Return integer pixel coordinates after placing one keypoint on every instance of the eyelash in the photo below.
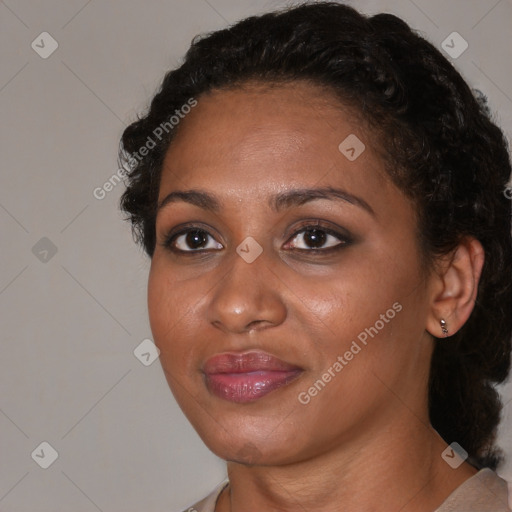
(345, 239)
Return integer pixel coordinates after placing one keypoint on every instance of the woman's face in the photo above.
(291, 319)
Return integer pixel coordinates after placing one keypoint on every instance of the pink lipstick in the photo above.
(246, 377)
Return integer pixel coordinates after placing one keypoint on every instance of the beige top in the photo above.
(483, 492)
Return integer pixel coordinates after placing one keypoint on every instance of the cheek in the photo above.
(170, 311)
(351, 298)
(159, 308)
(375, 302)
(168, 306)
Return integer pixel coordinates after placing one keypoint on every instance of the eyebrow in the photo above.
(277, 202)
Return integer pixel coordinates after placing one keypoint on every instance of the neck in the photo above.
(398, 467)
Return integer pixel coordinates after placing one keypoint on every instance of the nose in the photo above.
(247, 298)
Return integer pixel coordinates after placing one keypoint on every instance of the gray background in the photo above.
(71, 320)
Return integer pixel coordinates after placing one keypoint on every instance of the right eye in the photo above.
(191, 240)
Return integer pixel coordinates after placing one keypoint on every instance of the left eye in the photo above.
(315, 238)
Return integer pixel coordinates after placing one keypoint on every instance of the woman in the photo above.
(322, 198)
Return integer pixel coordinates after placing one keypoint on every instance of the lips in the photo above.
(246, 377)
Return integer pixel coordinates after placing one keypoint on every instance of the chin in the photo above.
(250, 454)
(251, 446)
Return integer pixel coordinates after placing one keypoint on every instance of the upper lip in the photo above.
(231, 362)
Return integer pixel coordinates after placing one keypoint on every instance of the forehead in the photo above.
(281, 132)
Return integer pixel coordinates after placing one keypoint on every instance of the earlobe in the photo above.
(455, 289)
(444, 327)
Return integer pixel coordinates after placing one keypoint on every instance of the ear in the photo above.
(455, 286)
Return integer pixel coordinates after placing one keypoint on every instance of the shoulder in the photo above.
(483, 492)
(208, 504)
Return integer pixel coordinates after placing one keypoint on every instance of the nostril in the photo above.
(255, 324)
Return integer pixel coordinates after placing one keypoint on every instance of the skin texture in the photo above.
(364, 442)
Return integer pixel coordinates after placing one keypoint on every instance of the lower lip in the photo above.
(250, 386)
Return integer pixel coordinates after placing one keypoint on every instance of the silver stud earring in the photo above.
(443, 327)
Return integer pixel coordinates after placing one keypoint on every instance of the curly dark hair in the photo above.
(441, 148)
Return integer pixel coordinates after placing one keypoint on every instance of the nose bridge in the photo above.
(247, 296)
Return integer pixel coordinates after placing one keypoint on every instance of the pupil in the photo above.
(196, 238)
(315, 237)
